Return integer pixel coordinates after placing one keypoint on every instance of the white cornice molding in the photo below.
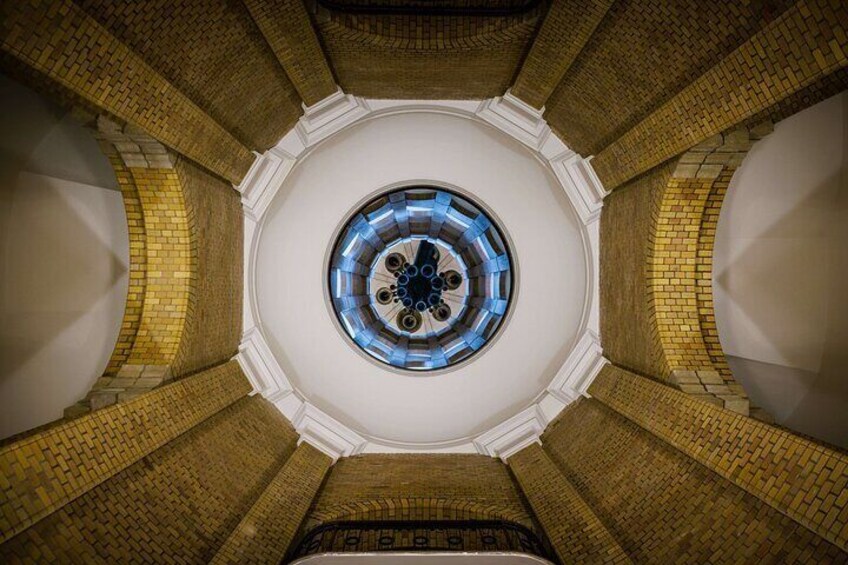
(330, 115)
(514, 118)
(513, 435)
(580, 182)
(262, 180)
(261, 368)
(527, 125)
(525, 428)
(579, 370)
(269, 171)
(326, 434)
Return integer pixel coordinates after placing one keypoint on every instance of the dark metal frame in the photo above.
(374, 536)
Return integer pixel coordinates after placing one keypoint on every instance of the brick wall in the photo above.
(212, 52)
(566, 28)
(657, 238)
(289, 32)
(797, 49)
(575, 532)
(663, 507)
(45, 471)
(628, 326)
(169, 266)
(269, 527)
(138, 262)
(792, 475)
(641, 54)
(184, 302)
(178, 504)
(420, 57)
(59, 43)
(214, 314)
(419, 487)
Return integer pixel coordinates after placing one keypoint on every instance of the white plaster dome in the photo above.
(291, 250)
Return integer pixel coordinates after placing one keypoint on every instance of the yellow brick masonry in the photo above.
(577, 535)
(392, 487)
(672, 273)
(287, 29)
(59, 41)
(176, 505)
(806, 43)
(138, 262)
(663, 506)
(426, 57)
(47, 470)
(169, 266)
(269, 527)
(800, 478)
(567, 27)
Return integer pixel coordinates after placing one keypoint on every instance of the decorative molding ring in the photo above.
(512, 117)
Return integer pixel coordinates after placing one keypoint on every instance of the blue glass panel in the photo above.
(461, 237)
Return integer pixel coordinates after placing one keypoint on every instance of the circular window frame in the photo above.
(515, 285)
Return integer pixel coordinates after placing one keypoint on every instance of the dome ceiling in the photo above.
(317, 260)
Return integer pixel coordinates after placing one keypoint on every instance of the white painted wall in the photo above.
(63, 260)
(781, 272)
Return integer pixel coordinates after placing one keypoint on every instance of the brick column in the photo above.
(577, 535)
(565, 31)
(802, 46)
(268, 529)
(60, 42)
(795, 476)
(45, 471)
(288, 30)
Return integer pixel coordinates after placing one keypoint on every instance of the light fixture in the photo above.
(420, 278)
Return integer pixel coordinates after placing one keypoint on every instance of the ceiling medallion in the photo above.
(420, 278)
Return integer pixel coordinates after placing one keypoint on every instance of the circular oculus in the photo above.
(420, 278)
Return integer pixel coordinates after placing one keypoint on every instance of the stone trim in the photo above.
(326, 434)
(135, 147)
(513, 435)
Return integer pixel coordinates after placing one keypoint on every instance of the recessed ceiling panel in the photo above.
(375, 189)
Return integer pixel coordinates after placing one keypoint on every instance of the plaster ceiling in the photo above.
(420, 148)
(343, 152)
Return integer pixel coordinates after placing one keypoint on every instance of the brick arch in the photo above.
(416, 508)
(161, 335)
(413, 56)
(443, 33)
(685, 214)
